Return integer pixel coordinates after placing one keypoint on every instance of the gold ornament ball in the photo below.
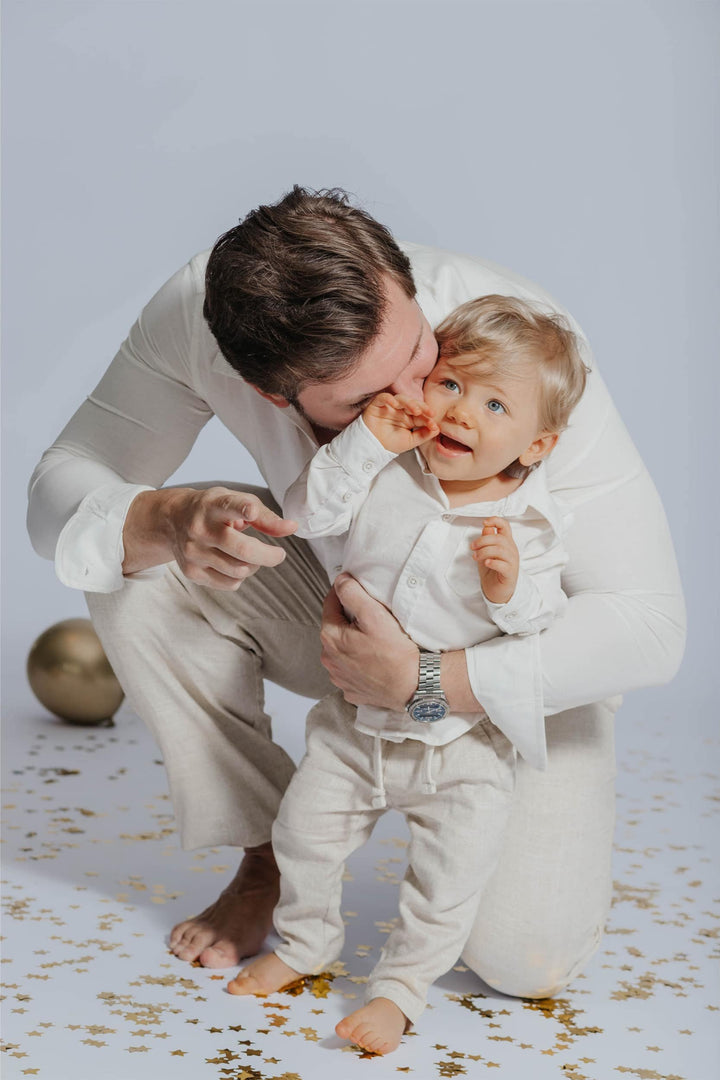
(70, 674)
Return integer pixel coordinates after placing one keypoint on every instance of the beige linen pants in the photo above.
(192, 661)
(456, 835)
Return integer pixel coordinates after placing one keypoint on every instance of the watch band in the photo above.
(429, 677)
(428, 704)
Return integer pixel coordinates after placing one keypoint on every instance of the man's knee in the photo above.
(530, 969)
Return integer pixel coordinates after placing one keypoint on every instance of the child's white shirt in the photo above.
(411, 551)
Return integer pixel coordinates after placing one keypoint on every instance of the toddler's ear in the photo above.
(539, 449)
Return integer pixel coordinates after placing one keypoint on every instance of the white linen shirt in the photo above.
(624, 626)
(410, 549)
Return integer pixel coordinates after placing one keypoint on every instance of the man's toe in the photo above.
(222, 954)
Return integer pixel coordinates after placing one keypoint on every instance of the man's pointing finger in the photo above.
(240, 510)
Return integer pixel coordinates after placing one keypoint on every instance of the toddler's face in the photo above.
(486, 421)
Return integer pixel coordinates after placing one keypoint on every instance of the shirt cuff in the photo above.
(360, 454)
(89, 553)
(512, 617)
(506, 678)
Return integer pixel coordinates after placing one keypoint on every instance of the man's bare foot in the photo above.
(378, 1026)
(264, 976)
(240, 919)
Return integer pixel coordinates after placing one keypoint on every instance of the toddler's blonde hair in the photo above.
(503, 334)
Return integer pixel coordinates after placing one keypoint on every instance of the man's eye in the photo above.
(495, 406)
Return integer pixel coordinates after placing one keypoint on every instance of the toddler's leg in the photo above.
(455, 841)
(324, 816)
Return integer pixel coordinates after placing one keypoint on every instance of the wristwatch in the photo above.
(428, 704)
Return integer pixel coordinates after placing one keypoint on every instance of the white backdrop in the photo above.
(575, 142)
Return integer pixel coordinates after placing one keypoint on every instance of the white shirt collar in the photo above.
(533, 492)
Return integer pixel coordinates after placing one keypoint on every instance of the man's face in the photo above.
(398, 360)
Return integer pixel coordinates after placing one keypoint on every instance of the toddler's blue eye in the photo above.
(450, 384)
(495, 406)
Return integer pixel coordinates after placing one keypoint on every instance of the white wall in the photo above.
(576, 142)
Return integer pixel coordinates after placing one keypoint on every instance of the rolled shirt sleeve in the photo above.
(529, 610)
(89, 553)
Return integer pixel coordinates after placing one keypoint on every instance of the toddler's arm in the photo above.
(522, 596)
(336, 481)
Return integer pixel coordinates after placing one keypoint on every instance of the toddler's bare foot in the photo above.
(264, 976)
(378, 1026)
(240, 919)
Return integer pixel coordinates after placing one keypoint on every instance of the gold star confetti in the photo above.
(450, 1068)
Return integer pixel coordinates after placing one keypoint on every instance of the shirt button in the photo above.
(347, 497)
(412, 582)
(368, 466)
(448, 517)
(512, 615)
(337, 569)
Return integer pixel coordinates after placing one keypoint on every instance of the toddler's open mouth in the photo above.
(451, 447)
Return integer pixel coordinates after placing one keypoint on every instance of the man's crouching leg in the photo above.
(542, 915)
(192, 661)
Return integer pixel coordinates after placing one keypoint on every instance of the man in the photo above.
(301, 314)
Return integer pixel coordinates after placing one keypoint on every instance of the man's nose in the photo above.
(408, 384)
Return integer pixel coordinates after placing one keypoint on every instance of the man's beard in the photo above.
(314, 424)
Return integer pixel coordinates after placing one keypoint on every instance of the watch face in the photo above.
(429, 709)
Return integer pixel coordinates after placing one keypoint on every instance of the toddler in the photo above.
(449, 523)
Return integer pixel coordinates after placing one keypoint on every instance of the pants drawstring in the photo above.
(378, 793)
(429, 787)
(379, 800)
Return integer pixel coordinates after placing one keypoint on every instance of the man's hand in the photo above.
(400, 423)
(204, 531)
(367, 654)
(498, 560)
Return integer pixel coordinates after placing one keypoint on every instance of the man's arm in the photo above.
(372, 660)
(93, 504)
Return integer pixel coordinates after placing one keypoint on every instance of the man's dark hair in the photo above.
(295, 292)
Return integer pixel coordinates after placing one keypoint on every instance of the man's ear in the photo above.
(276, 399)
(538, 449)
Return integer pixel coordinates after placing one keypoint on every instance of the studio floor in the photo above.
(93, 880)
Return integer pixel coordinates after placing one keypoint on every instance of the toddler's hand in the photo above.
(400, 423)
(498, 560)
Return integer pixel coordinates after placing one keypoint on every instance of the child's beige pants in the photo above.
(456, 799)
